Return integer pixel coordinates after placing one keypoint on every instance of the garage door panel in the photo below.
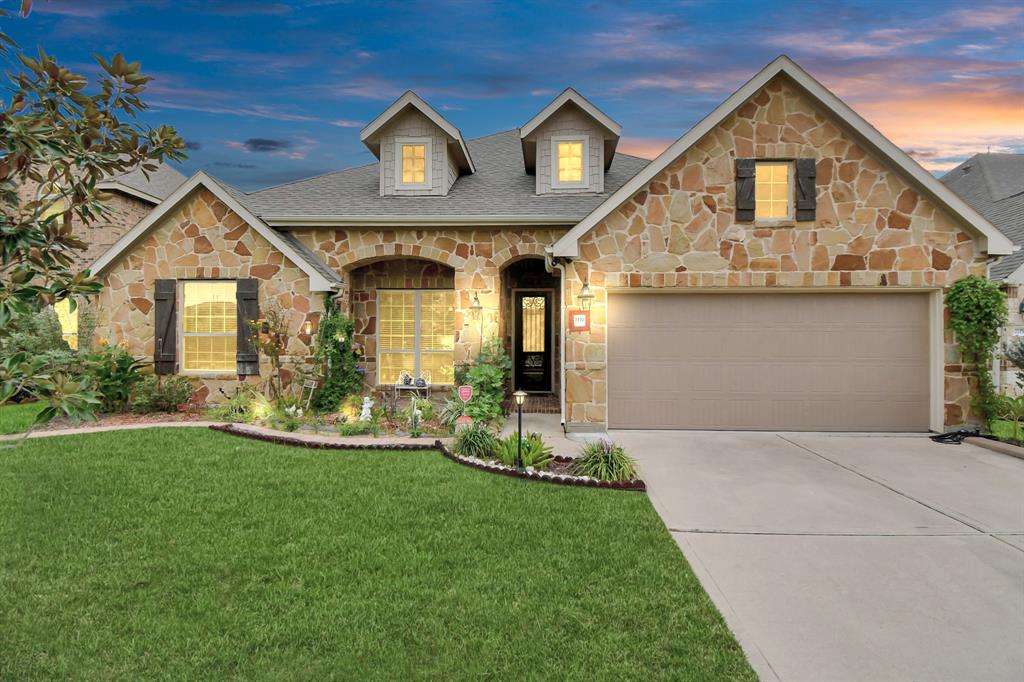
(769, 361)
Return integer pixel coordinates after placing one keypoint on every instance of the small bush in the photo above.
(246, 406)
(288, 418)
(114, 374)
(358, 428)
(475, 440)
(450, 413)
(605, 461)
(161, 394)
(536, 453)
(488, 377)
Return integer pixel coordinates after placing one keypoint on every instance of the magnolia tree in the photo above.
(60, 134)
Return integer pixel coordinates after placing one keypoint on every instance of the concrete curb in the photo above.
(997, 446)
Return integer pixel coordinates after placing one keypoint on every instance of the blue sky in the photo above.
(266, 92)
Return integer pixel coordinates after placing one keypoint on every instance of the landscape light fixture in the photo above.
(520, 398)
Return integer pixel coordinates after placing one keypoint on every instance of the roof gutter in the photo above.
(286, 221)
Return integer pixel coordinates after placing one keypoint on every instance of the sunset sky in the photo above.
(266, 92)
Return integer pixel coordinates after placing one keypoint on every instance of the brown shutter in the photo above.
(248, 306)
(744, 190)
(806, 199)
(165, 327)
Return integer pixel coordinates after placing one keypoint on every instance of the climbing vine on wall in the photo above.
(977, 310)
(336, 358)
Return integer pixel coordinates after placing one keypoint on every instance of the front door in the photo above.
(533, 341)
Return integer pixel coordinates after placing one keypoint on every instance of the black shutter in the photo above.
(165, 327)
(247, 300)
(744, 190)
(806, 199)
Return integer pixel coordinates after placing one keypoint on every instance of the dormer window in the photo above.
(568, 157)
(412, 167)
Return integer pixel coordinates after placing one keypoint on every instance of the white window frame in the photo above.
(790, 188)
(416, 352)
(179, 322)
(585, 141)
(428, 162)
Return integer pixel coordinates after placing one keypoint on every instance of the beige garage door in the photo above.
(800, 361)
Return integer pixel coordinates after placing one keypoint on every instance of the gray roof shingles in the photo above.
(993, 185)
(499, 187)
(160, 183)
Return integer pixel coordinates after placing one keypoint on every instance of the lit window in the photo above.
(68, 321)
(416, 334)
(771, 191)
(55, 208)
(413, 162)
(569, 159)
(209, 327)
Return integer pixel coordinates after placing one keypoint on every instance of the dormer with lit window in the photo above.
(569, 145)
(421, 153)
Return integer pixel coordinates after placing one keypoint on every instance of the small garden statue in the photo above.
(365, 415)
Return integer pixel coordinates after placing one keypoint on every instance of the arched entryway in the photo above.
(405, 319)
(530, 305)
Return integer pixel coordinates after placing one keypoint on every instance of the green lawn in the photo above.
(187, 554)
(17, 417)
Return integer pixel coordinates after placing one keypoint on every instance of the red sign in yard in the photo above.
(465, 393)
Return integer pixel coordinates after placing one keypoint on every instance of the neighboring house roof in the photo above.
(993, 184)
(369, 135)
(321, 278)
(500, 192)
(154, 189)
(993, 241)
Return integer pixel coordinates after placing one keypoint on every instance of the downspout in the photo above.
(550, 263)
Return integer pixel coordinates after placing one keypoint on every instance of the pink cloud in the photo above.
(341, 123)
(644, 147)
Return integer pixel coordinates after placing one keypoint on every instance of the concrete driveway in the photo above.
(850, 557)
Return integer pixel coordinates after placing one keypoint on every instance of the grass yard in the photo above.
(1003, 429)
(17, 417)
(187, 554)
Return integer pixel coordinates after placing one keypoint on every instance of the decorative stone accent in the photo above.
(871, 230)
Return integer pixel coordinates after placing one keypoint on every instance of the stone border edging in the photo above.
(996, 446)
(280, 439)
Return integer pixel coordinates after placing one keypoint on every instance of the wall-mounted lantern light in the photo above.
(586, 296)
(307, 327)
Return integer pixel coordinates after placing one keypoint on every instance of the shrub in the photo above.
(606, 461)
(450, 413)
(475, 440)
(288, 418)
(536, 453)
(487, 377)
(114, 374)
(246, 406)
(34, 334)
(161, 394)
(358, 428)
(334, 356)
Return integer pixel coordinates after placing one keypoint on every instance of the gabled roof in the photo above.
(321, 278)
(992, 240)
(370, 134)
(993, 184)
(154, 189)
(500, 193)
(569, 97)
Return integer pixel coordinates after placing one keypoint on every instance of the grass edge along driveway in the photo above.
(201, 555)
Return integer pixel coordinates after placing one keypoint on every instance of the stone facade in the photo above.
(202, 239)
(871, 230)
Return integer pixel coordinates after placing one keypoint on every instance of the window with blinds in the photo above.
(209, 326)
(416, 334)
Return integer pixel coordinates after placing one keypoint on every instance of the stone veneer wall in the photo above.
(476, 256)
(871, 230)
(389, 274)
(202, 239)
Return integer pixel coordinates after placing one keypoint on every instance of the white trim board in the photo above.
(992, 240)
(317, 282)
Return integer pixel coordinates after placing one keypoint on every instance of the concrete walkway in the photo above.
(850, 557)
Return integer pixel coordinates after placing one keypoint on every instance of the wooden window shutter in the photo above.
(806, 199)
(165, 328)
(745, 190)
(248, 308)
